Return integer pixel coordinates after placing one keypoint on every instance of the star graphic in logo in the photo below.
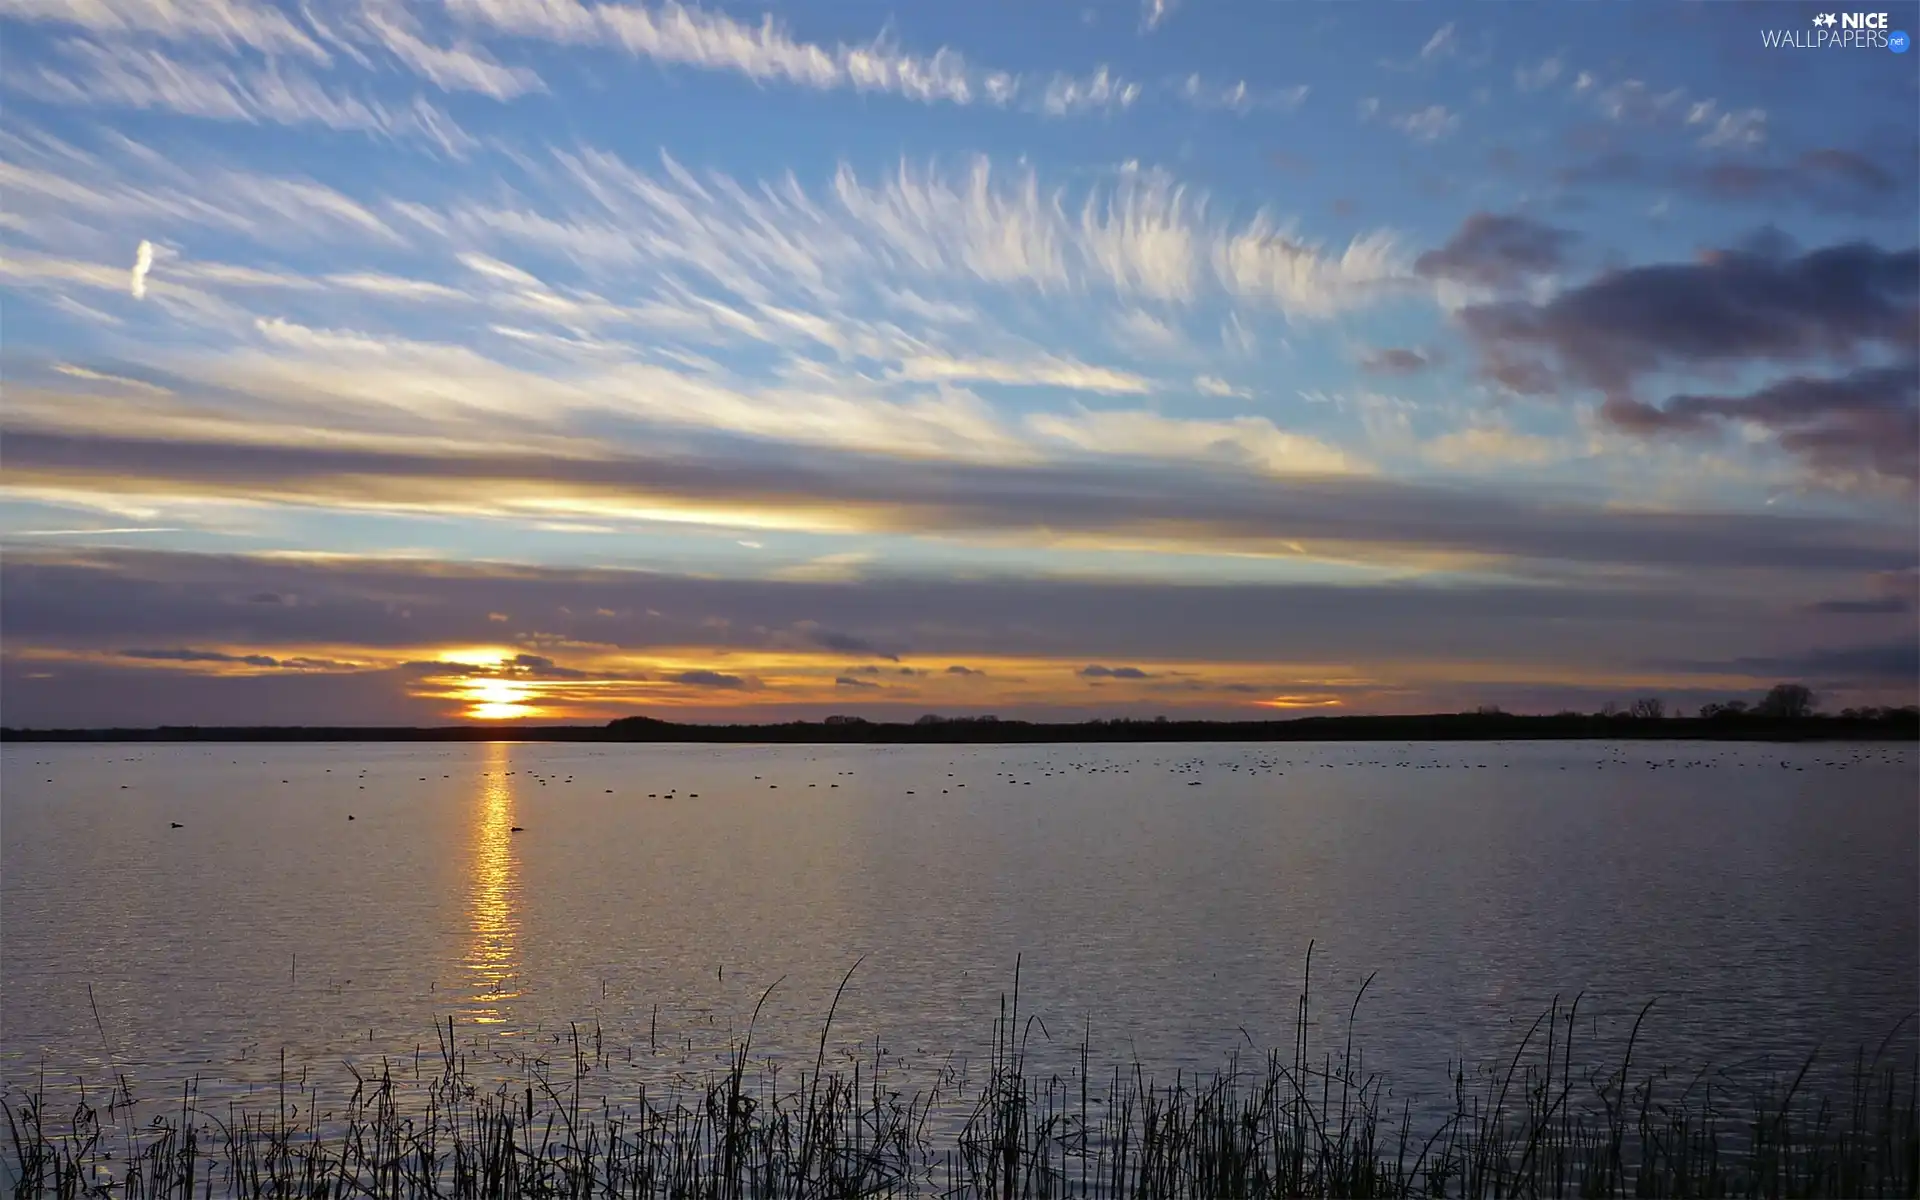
(1826, 19)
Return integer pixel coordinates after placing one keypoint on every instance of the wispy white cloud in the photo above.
(142, 263)
(1634, 101)
(40, 268)
(932, 311)
(1236, 337)
(86, 312)
(996, 232)
(542, 275)
(377, 391)
(1045, 371)
(765, 51)
(680, 35)
(1428, 124)
(459, 67)
(1541, 74)
(228, 24)
(1213, 385)
(426, 389)
(129, 76)
(1268, 261)
(393, 286)
(55, 278)
(1142, 236)
(1444, 43)
(238, 275)
(1741, 129)
(304, 201)
(1070, 95)
(1138, 330)
(1631, 99)
(95, 532)
(124, 64)
(1487, 444)
(107, 377)
(1247, 442)
(899, 281)
(92, 204)
(1145, 236)
(238, 26)
(1239, 97)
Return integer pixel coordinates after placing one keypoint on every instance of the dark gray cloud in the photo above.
(1832, 180)
(712, 679)
(1730, 306)
(89, 695)
(1893, 592)
(105, 600)
(847, 643)
(1397, 360)
(1242, 508)
(520, 666)
(849, 682)
(536, 666)
(1866, 421)
(201, 656)
(1758, 303)
(1878, 605)
(957, 669)
(101, 601)
(1497, 250)
(1894, 661)
(1828, 179)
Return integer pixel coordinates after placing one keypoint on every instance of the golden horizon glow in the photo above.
(483, 683)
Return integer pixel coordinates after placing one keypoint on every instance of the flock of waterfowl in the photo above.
(1194, 771)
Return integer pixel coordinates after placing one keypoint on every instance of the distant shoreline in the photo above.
(1895, 726)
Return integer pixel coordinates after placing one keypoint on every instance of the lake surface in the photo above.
(1162, 896)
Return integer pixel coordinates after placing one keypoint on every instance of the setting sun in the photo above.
(498, 700)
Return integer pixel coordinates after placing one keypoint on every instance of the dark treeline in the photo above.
(1718, 722)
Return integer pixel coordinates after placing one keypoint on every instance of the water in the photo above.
(1765, 895)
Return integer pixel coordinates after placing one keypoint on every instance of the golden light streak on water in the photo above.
(493, 887)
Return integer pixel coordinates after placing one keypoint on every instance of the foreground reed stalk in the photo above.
(1307, 1123)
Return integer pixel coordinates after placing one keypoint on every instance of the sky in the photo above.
(376, 363)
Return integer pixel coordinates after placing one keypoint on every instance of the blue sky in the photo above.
(1438, 354)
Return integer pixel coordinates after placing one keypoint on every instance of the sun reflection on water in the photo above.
(494, 881)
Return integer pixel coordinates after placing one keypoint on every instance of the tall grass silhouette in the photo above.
(1305, 1121)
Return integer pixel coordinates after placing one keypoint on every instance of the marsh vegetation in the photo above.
(1307, 1120)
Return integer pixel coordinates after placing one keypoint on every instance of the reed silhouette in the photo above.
(1306, 1121)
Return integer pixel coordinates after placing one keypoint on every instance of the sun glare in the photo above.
(475, 656)
(499, 700)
